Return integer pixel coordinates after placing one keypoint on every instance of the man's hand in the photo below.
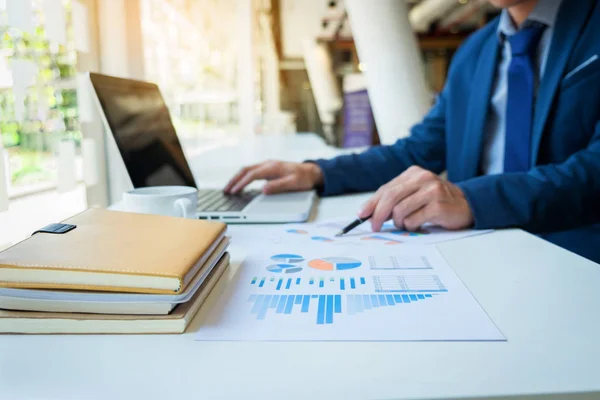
(282, 177)
(417, 197)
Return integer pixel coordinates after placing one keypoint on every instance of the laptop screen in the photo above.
(141, 125)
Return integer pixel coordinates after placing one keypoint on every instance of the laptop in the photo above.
(139, 121)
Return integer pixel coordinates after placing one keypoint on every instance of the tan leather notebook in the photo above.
(113, 251)
(176, 322)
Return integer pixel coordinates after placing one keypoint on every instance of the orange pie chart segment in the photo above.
(334, 263)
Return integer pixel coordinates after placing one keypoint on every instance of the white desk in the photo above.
(545, 300)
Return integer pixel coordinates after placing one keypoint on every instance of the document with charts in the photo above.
(324, 233)
(321, 292)
(389, 235)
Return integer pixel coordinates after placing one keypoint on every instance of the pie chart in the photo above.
(287, 258)
(334, 263)
(284, 268)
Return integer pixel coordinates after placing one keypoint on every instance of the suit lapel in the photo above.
(569, 23)
(479, 101)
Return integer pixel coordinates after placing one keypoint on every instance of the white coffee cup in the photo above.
(173, 201)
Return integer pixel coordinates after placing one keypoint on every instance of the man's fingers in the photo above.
(369, 207)
(288, 183)
(430, 213)
(237, 177)
(414, 202)
(383, 209)
(263, 171)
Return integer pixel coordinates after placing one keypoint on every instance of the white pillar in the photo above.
(328, 98)
(121, 54)
(270, 67)
(246, 90)
(270, 78)
(388, 50)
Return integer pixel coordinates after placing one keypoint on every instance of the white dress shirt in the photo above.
(492, 160)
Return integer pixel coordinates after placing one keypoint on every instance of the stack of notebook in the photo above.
(111, 272)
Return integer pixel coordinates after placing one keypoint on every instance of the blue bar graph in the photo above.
(367, 302)
(358, 304)
(321, 310)
(374, 300)
(329, 310)
(327, 305)
(289, 304)
(382, 301)
(281, 305)
(305, 303)
(257, 304)
(345, 283)
(264, 307)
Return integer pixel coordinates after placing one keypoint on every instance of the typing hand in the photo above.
(282, 177)
(416, 197)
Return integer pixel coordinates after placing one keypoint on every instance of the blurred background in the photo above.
(354, 72)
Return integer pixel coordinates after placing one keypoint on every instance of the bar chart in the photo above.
(356, 303)
(398, 262)
(404, 283)
(325, 306)
(343, 283)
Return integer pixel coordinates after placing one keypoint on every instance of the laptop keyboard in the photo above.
(217, 201)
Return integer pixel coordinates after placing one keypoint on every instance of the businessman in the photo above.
(517, 128)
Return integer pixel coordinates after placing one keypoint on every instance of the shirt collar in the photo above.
(545, 12)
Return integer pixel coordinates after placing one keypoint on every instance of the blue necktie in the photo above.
(521, 95)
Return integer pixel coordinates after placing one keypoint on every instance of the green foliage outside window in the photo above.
(50, 105)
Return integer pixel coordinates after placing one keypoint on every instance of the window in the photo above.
(38, 101)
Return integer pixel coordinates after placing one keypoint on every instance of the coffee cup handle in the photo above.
(184, 205)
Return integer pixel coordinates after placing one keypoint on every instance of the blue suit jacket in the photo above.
(559, 198)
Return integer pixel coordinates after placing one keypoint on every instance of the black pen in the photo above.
(357, 222)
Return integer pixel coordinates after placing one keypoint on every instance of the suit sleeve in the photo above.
(367, 171)
(548, 198)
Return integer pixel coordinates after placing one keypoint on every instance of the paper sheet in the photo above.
(20, 14)
(318, 293)
(80, 27)
(324, 233)
(55, 21)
